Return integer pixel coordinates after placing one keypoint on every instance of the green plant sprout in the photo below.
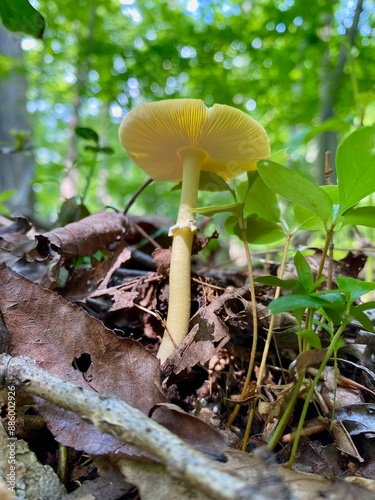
(257, 219)
(329, 208)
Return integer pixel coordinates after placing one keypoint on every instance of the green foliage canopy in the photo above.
(271, 59)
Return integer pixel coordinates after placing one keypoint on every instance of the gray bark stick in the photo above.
(112, 416)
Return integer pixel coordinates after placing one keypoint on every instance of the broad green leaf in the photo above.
(333, 192)
(281, 156)
(360, 216)
(72, 210)
(306, 220)
(312, 338)
(234, 208)
(106, 150)
(304, 272)
(355, 165)
(365, 306)
(296, 188)
(293, 285)
(357, 312)
(252, 175)
(19, 15)
(295, 302)
(352, 288)
(334, 298)
(262, 201)
(87, 133)
(261, 232)
(209, 181)
(335, 307)
(362, 318)
(95, 149)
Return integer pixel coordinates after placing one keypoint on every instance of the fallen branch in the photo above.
(112, 416)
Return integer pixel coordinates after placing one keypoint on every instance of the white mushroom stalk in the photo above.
(175, 140)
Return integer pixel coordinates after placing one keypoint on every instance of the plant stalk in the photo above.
(180, 274)
(254, 314)
(309, 395)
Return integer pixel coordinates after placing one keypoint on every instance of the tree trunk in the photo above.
(331, 81)
(16, 167)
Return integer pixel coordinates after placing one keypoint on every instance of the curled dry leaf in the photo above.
(344, 442)
(13, 235)
(208, 333)
(85, 283)
(87, 236)
(310, 358)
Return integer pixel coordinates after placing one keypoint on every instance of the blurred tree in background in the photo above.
(303, 69)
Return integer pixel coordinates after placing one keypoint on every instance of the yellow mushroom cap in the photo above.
(154, 136)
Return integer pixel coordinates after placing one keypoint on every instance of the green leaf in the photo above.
(360, 216)
(19, 15)
(252, 175)
(362, 318)
(231, 225)
(355, 165)
(87, 133)
(306, 220)
(261, 232)
(293, 285)
(95, 149)
(334, 298)
(72, 210)
(262, 201)
(295, 302)
(209, 181)
(304, 272)
(312, 338)
(296, 188)
(281, 156)
(352, 288)
(234, 208)
(106, 150)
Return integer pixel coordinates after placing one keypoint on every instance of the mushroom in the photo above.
(175, 140)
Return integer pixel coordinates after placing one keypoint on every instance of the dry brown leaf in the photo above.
(110, 486)
(87, 236)
(310, 358)
(208, 334)
(57, 334)
(343, 440)
(193, 430)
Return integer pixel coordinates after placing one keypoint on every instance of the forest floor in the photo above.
(86, 302)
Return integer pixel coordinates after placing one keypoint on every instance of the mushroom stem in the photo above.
(180, 275)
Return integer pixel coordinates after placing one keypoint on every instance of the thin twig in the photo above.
(136, 194)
